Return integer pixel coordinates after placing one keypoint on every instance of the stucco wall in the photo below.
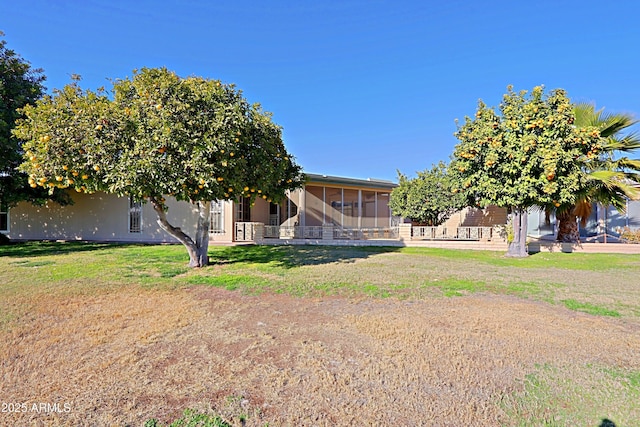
(260, 211)
(472, 217)
(99, 216)
(227, 235)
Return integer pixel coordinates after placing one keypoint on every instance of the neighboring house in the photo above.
(343, 204)
(602, 221)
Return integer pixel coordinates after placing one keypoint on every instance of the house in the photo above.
(602, 221)
(342, 207)
(326, 208)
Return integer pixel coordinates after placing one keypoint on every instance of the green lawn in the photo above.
(605, 284)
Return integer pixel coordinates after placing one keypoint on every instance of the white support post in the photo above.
(342, 207)
(324, 204)
(359, 209)
(303, 204)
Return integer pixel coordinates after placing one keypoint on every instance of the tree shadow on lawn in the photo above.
(283, 256)
(45, 248)
(294, 256)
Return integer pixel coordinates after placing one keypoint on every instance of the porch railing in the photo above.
(245, 231)
(365, 233)
(292, 232)
(451, 233)
(253, 232)
(334, 232)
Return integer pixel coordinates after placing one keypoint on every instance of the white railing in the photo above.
(253, 232)
(338, 233)
(245, 231)
(451, 233)
(365, 233)
(292, 232)
(421, 232)
(311, 232)
(271, 231)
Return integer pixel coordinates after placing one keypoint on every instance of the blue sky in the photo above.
(361, 88)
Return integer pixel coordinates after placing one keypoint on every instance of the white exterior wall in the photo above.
(474, 217)
(228, 220)
(99, 217)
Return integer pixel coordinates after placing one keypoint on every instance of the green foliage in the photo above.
(610, 174)
(509, 229)
(528, 154)
(20, 85)
(429, 198)
(192, 418)
(191, 138)
(454, 287)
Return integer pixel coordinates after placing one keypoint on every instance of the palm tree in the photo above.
(609, 179)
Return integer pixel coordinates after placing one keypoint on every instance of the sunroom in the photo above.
(326, 208)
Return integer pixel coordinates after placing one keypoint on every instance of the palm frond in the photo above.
(609, 124)
(626, 144)
(612, 187)
(582, 210)
(626, 164)
(612, 123)
(585, 114)
(609, 180)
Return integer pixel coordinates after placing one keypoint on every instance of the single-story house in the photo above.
(327, 207)
(343, 204)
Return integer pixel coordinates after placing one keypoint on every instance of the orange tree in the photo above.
(427, 198)
(157, 136)
(527, 154)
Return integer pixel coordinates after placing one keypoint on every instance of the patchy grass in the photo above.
(230, 282)
(589, 308)
(191, 418)
(599, 284)
(449, 326)
(560, 260)
(573, 395)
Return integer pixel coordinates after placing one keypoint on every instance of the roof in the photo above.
(353, 182)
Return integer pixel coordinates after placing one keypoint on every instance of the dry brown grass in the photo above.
(121, 358)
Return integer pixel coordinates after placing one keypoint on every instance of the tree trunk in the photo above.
(518, 246)
(197, 249)
(568, 230)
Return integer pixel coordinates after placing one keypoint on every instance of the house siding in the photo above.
(99, 217)
(105, 217)
(474, 217)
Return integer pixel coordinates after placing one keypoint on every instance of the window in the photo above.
(4, 217)
(217, 217)
(135, 216)
(243, 210)
(274, 214)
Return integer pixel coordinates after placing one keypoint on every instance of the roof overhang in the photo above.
(339, 181)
